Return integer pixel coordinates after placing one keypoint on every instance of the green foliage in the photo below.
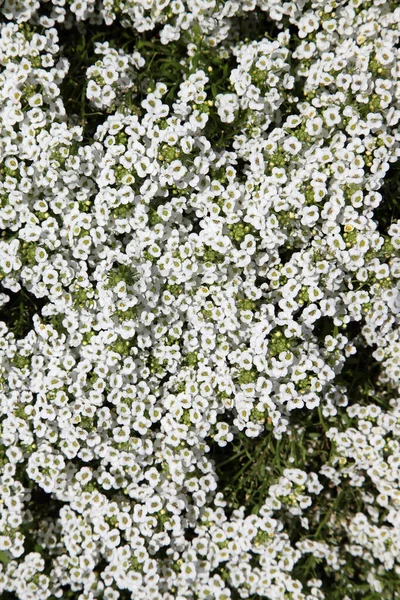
(389, 209)
(19, 310)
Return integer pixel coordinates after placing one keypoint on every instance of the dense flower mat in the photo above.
(199, 329)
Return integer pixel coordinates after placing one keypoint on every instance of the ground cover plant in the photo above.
(199, 300)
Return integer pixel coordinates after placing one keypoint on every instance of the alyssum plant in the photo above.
(199, 329)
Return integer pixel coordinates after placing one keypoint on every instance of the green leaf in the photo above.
(4, 558)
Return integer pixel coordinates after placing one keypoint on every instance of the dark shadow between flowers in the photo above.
(247, 468)
(19, 310)
(77, 45)
(388, 210)
(40, 505)
(44, 509)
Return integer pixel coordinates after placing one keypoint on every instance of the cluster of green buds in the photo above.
(28, 252)
(303, 296)
(246, 303)
(262, 538)
(238, 231)
(304, 385)
(155, 366)
(175, 289)
(278, 343)
(124, 175)
(129, 314)
(120, 273)
(278, 159)
(83, 297)
(285, 218)
(121, 347)
(291, 499)
(212, 256)
(20, 361)
(257, 416)
(245, 376)
(168, 153)
(191, 359)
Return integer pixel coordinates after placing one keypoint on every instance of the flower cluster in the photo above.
(202, 268)
(111, 77)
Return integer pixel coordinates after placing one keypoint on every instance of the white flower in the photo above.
(310, 215)
(332, 116)
(292, 145)
(227, 105)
